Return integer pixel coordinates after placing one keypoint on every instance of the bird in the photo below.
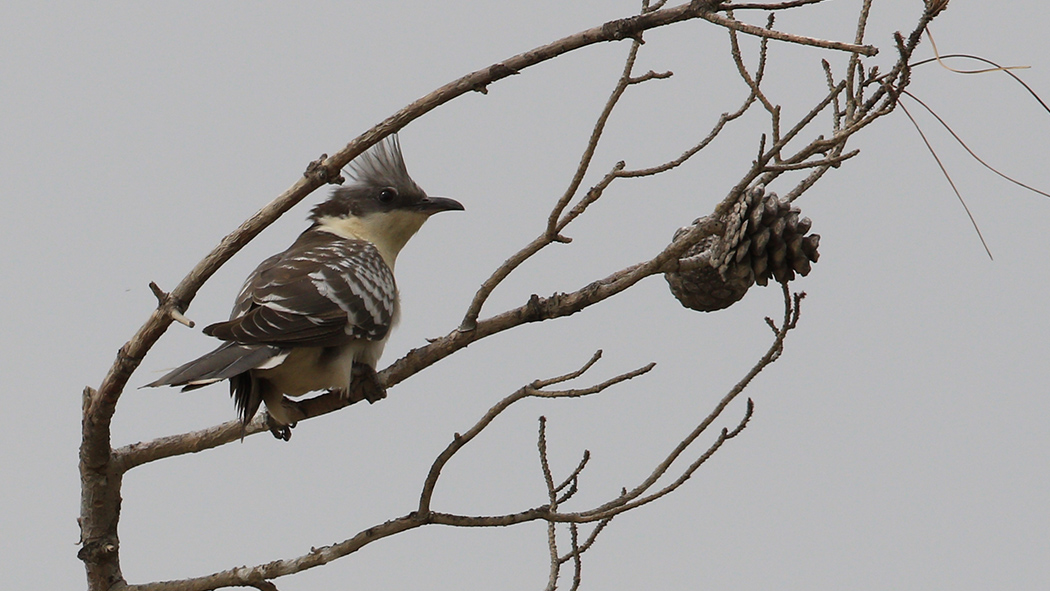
(318, 315)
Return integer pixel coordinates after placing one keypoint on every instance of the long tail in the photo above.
(228, 361)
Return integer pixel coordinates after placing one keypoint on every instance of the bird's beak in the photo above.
(432, 205)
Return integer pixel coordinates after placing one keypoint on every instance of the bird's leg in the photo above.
(364, 384)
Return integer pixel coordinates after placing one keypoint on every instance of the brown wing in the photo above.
(323, 291)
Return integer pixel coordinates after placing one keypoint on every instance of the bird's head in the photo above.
(381, 204)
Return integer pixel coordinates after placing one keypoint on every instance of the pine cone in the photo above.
(764, 238)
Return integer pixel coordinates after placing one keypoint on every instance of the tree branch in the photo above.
(736, 25)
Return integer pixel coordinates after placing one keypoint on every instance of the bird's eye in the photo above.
(387, 195)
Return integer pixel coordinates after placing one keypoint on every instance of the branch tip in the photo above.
(181, 319)
(539, 384)
(162, 296)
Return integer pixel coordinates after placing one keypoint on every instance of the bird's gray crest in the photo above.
(383, 166)
(377, 169)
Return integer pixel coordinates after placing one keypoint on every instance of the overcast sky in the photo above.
(900, 443)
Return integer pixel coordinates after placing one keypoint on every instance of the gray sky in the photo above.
(900, 443)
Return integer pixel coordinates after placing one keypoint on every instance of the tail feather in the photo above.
(247, 395)
(229, 360)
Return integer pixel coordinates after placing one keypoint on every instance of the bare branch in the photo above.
(252, 576)
(755, 83)
(774, 6)
(544, 465)
(573, 476)
(552, 533)
(577, 563)
(650, 75)
(719, 125)
(591, 538)
(736, 25)
(829, 161)
(854, 61)
(569, 376)
(552, 548)
(165, 300)
(837, 112)
(806, 183)
(578, 392)
(629, 500)
(722, 121)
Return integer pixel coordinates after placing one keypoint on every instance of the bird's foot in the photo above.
(289, 417)
(364, 385)
(279, 431)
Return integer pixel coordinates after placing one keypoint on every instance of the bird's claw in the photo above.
(279, 431)
(364, 385)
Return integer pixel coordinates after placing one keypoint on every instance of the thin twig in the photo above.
(760, 6)
(854, 63)
(569, 376)
(719, 125)
(577, 561)
(836, 119)
(736, 25)
(592, 537)
(829, 161)
(575, 474)
(578, 392)
(756, 90)
(552, 500)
